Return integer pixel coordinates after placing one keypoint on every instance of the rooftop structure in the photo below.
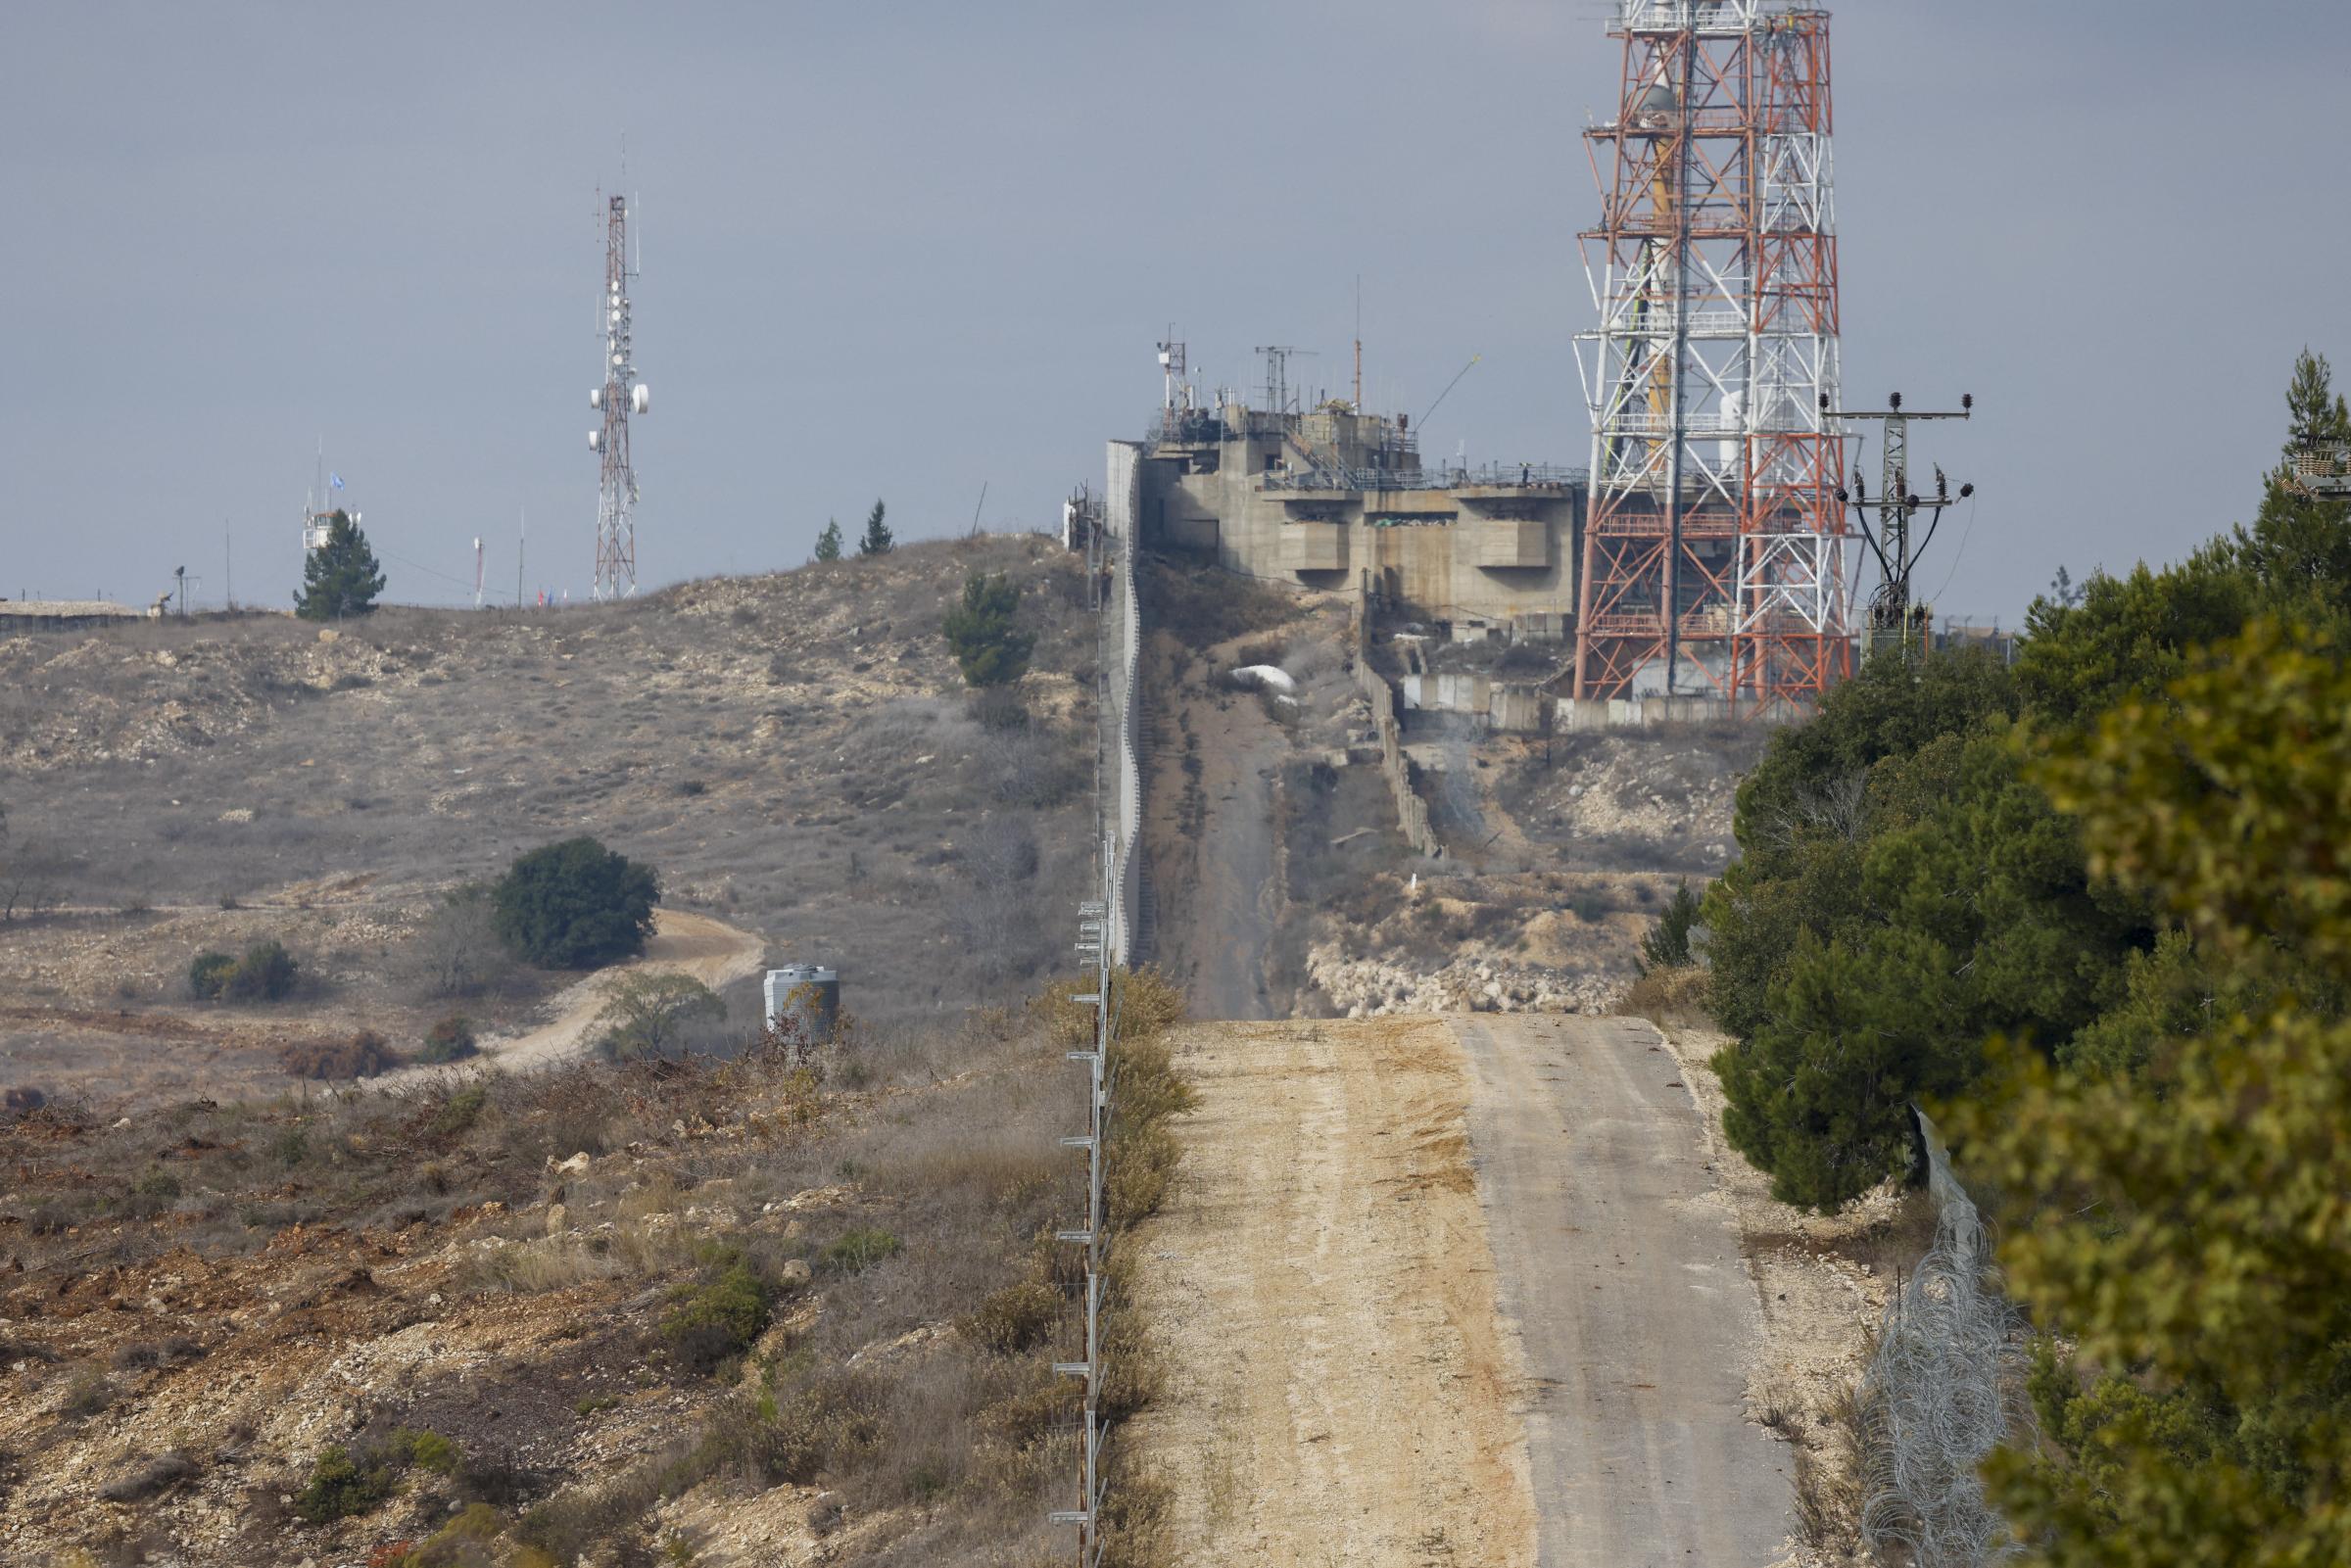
(1333, 496)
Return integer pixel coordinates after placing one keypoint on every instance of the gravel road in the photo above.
(1620, 1274)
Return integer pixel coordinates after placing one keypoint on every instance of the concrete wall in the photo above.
(1523, 709)
(1411, 812)
(1122, 685)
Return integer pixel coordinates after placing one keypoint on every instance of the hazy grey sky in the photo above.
(905, 249)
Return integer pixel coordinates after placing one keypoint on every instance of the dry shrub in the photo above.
(363, 1056)
(1003, 1164)
(1016, 1318)
(144, 1478)
(1143, 1002)
(1137, 1518)
(1667, 996)
(1828, 1486)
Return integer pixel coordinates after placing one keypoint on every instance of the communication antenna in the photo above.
(1277, 374)
(1358, 343)
(477, 571)
(620, 396)
(1449, 385)
(1893, 620)
(1172, 369)
(522, 545)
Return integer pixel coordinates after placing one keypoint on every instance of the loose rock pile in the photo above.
(1364, 987)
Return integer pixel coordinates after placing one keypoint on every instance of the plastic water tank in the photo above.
(807, 995)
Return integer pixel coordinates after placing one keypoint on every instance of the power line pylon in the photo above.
(621, 394)
(1715, 556)
(1896, 622)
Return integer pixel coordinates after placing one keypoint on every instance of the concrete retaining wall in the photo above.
(1411, 812)
(1523, 709)
(1122, 642)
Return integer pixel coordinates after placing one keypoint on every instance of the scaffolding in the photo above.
(1715, 554)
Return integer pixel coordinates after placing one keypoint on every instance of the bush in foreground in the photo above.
(646, 1017)
(363, 1056)
(449, 1040)
(208, 975)
(720, 1318)
(340, 1488)
(983, 632)
(266, 974)
(575, 905)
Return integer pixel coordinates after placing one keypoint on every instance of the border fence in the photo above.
(1110, 930)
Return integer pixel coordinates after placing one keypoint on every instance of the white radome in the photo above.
(595, 441)
(595, 396)
(641, 399)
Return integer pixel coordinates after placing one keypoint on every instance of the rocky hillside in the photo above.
(793, 753)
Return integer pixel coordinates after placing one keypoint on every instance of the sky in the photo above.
(913, 251)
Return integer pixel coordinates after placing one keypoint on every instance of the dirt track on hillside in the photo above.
(1322, 1294)
(709, 950)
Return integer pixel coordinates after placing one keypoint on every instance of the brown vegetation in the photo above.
(667, 1296)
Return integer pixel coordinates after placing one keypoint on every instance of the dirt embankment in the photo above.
(1322, 1294)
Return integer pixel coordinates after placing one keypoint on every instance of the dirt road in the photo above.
(1623, 1280)
(1210, 841)
(1340, 1391)
(709, 950)
(1352, 1377)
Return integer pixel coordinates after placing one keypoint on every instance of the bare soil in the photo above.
(1322, 1294)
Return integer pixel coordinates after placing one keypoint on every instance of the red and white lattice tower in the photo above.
(1713, 369)
(621, 395)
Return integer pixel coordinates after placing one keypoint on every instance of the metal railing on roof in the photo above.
(1531, 476)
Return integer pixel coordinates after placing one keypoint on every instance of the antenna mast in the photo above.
(621, 395)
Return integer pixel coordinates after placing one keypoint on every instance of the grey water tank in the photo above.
(807, 995)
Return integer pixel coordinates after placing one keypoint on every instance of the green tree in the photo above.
(2128, 636)
(828, 543)
(877, 540)
(1802, 816)
(266, 974)
(1964, 908)
(2298, 550)
(574, 905)
(983, 632)
(341, 577)
(1667, 942)
(2193, 1237)
(646, 1016)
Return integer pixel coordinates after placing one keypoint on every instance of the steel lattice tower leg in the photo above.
(1714, 558)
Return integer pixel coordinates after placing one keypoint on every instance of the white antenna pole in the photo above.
(522, 540)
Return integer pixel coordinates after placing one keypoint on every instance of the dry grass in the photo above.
(1675, 995)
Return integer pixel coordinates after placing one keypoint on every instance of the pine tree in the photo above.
(984, 634)
(2190, 1241)
(341, 577)
(877, 540)
(2299, 547)
(828, 543)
